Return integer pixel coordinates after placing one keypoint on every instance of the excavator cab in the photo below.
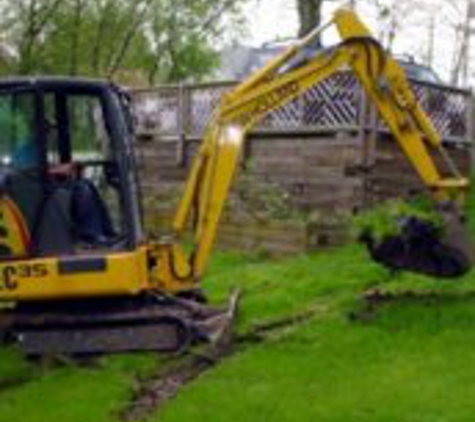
(76, 273)
(67, 176)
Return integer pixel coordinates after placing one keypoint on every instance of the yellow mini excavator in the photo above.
(77, 272)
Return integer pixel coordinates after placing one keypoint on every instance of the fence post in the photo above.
(181, 158)
(470, 126)
(372, 132)
(367, 134)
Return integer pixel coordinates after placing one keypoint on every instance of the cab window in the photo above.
(18, 146)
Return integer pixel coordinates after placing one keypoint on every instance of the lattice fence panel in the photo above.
(447, 108)
(158, 111)
(203, 101)
(334, 104)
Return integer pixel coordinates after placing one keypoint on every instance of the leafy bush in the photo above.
(260, 199)
(385, 219)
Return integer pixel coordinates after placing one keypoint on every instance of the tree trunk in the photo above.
(137, 17)
(75, 37)
(460, 71)
(101, 30)
(310, 15)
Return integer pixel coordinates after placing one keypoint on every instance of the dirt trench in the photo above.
(152, 393)
(375, 300)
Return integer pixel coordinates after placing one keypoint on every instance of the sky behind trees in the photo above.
(417, 22)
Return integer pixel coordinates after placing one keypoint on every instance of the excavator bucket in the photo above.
(151, 323)
(422, 247)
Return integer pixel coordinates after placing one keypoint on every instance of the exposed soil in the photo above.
(152, 393)
(375, 299)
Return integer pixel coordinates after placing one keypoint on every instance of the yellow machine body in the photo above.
(119, 274)
(15, 236)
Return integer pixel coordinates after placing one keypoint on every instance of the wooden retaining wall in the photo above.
(321, 179)
(391, 173)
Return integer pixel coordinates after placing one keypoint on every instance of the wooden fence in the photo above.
(326, 154)
(339, 103)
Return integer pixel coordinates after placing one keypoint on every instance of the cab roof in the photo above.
(56, 83)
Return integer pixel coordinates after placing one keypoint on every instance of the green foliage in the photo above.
(384, 219)
(134, 42)
(262, 201)
(193, 58)
(72, 44)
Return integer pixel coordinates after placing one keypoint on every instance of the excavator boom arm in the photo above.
(286, 77)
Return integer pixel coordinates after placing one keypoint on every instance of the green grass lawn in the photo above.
(69, 393)
(414, 360)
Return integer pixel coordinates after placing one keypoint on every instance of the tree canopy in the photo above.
(134, 41)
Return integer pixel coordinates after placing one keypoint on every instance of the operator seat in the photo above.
(46, 211)
(60, 214)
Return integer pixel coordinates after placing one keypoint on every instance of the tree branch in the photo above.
(129, 35)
